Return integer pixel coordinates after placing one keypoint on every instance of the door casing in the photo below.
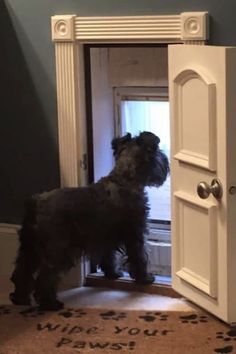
(70, 33)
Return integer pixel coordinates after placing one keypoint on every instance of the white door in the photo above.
(202, 83)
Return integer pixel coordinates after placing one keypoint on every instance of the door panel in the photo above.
(202, 84)
(189, 85)
(196, 239)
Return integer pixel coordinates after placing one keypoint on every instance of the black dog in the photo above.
(62, 225)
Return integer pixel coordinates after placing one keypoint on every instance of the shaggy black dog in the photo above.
(62, 225)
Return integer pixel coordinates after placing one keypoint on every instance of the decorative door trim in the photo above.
(70, 33)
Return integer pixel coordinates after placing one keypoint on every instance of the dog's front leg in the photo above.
(138, 261)
(109, 265)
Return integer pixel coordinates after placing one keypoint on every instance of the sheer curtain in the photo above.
(153, 116)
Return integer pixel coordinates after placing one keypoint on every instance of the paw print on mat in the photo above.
(152, 316)
(224, 350)
(112, 315)
(32, 312)
(78, 313)
(227, 336)
(194, 318)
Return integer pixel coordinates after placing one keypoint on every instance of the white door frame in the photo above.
(70, 33)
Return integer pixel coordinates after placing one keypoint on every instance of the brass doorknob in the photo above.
(204, 189)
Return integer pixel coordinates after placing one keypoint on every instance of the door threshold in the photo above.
(125, 283)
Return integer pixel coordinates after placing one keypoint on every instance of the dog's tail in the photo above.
(27, 252)
(30, 208)
(26, 232)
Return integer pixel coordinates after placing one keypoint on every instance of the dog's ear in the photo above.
(148, 140)
(118, 144)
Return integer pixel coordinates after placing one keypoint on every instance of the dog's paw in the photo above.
(17, 299)
(113, 275)
(148, 278)
(51, 305)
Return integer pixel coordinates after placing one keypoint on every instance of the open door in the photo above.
(202, 83)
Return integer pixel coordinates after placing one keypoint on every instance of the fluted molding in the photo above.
(128, 28)
(187, 26)
(67, 113)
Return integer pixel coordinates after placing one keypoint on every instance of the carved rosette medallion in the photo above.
(194, 25)
(63, 28)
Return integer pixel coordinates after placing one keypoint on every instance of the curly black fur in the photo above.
(62, 225)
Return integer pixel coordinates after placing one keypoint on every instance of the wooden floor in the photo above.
(159, 287)
(122, 299)
(101, 297)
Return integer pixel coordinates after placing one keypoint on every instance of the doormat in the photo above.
(99, 331)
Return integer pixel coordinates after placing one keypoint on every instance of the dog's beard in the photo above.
(160, 170)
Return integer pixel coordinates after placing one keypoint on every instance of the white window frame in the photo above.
(156, 233)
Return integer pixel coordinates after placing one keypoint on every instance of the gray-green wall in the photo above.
(28, 118)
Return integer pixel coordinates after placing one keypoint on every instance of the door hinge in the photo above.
(84, 162)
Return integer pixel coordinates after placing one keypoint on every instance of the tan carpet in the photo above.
(27, 331)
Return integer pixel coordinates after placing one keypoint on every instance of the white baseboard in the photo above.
(9, 229)
(8, 248)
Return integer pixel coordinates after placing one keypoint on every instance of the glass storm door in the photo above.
(147, 109)
(202, 84)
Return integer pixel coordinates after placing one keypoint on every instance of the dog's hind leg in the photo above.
(138, 261)
(109, 265)
(22, 278)
(46, 289)
(27, 258)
